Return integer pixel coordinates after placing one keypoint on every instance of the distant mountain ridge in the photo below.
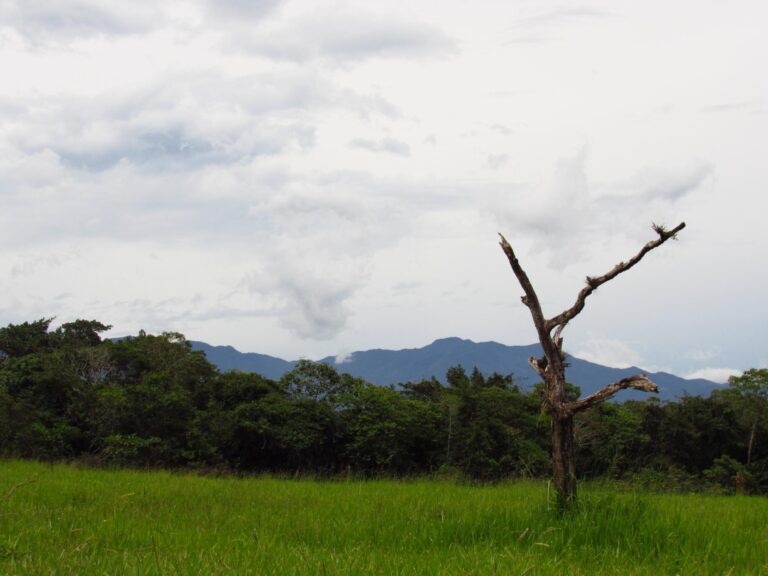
(387, 367)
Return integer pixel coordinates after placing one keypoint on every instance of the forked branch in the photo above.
(639, 382)
(531, 300)
(593, 283)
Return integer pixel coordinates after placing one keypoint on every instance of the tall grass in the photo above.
(64, 520)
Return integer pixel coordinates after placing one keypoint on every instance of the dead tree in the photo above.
(551, 366)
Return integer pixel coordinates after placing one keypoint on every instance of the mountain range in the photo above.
(391, 367)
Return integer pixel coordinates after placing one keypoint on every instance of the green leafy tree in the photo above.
(36, 394)
(165, 383)
(386, 433)
(18, 340)
(221, 432)
(79, 334)
(430, 390)
(695, 431)
(609, 439)
(494, 426)
(750, 394)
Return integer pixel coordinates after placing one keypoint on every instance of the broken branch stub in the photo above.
(639, 382)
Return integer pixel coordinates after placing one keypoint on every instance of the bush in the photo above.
(130, 449)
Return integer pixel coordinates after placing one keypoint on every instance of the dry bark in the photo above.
(551, 366)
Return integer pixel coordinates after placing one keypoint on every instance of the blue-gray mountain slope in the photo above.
(410, 365)
(228, 358)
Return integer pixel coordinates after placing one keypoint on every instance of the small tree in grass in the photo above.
(551, 366)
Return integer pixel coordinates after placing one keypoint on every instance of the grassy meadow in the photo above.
(66, 520)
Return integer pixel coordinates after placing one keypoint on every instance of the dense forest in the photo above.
(150, 401)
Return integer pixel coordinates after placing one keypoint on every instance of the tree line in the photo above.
(151, 401)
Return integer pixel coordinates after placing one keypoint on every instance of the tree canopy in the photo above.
(150, 400)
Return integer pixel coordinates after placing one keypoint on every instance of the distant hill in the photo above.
(227, 358)
(409, 365)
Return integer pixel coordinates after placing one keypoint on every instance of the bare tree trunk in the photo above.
(563, 452)
(450, 434)
(751, 444)
(551, 367)
(563, 461)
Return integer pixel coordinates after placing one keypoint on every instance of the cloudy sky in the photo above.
(306, 178)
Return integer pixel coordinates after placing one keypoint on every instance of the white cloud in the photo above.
(344, 357)
(388, 145)
(314, 254)
(566, 220)
(608, 352)
(561, 16)
(343, 34)
(540, 26)
(153, 155)
(674, 186)
(179, 124)
(704, 355)
(669, 183)
(43, 21)
(556, 218)
(241, 10)
(311, 299)
(719, 375)
(497, 160)
(30, 264)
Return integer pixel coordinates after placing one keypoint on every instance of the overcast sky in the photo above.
(309, 178)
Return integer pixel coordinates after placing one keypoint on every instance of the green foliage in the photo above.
(315, 381)
(727, 473)
(17, 340)
(752, 384)
(749, 393)
(80, 333)
(697, 430)
(494, 427)
(386, 433)
(150, 400)
(430, 391)
(130, 449)
(609, 438)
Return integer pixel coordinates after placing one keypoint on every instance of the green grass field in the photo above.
(65, 520)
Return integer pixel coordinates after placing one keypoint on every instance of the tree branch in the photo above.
(639, 382)
(531, 300)
(539, 365)
(563, 318)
